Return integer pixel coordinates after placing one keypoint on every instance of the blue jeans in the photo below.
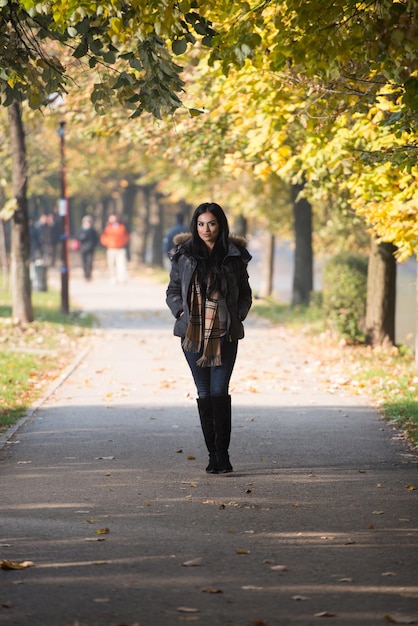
(213, 381)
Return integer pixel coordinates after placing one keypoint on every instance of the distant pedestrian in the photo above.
(44, 238)
(88, 240)
(168, 240)
(55, 224)
(115, 238)
(210, 296)
(34, 242)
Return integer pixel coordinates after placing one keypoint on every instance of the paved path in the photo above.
(104, 489)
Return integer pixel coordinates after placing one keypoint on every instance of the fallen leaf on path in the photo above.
(378, 513)
(9, 565)
(389, 574)
(394, 618)
(187, 609)
(102, 531)
(279, 568)
(193, 562)
(411, 488)
(212, 590)
(91, 520)
(240, 551)
(191, 457)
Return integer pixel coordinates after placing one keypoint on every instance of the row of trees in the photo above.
(285, 111)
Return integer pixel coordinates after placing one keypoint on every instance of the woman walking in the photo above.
(88, 240)
(210, 296)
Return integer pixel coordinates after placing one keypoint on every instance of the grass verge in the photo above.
(33, 355)
(388, 376)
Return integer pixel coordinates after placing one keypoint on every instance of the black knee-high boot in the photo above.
(222, 421)
(205, 408)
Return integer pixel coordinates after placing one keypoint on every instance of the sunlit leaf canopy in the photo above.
(289, 90)
(129, 44)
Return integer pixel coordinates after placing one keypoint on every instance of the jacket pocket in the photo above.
(180, 326)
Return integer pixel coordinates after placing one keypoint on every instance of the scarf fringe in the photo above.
(191, 346)
(209, 361)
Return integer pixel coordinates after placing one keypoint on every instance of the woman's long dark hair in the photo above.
(210, 265)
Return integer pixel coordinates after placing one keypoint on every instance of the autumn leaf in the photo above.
(193, 562)
(102, 531)
(396, 618)
(9, 565)
(212, 590)
(279, 568)
(187, 609)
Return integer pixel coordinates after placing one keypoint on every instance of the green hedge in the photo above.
(345, 294)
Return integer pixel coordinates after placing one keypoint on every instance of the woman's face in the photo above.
(208, 229)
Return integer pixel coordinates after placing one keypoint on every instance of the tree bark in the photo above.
(156, 231)
(20, 254)
(268, 266)
(416, 315)
(303, 267)
(381, 295)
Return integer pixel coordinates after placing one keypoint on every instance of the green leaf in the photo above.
(410, 97)
(80, 51)
(179, 46)
(83, 27)
(96, 45)
(109, 57)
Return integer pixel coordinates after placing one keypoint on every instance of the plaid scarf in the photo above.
(203, 326)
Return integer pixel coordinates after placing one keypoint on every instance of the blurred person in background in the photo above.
(115, 238)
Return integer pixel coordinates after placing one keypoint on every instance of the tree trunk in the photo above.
(303, 268)
(416, 315)
(156, 232)
(268, 266)
(20, 257)
(140, 225)
(381, 295)
(4, 266)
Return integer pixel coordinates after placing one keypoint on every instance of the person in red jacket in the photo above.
(115, 238)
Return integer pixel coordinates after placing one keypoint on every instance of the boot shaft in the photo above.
(222, 421)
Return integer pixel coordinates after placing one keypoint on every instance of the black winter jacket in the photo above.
(236, 288)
